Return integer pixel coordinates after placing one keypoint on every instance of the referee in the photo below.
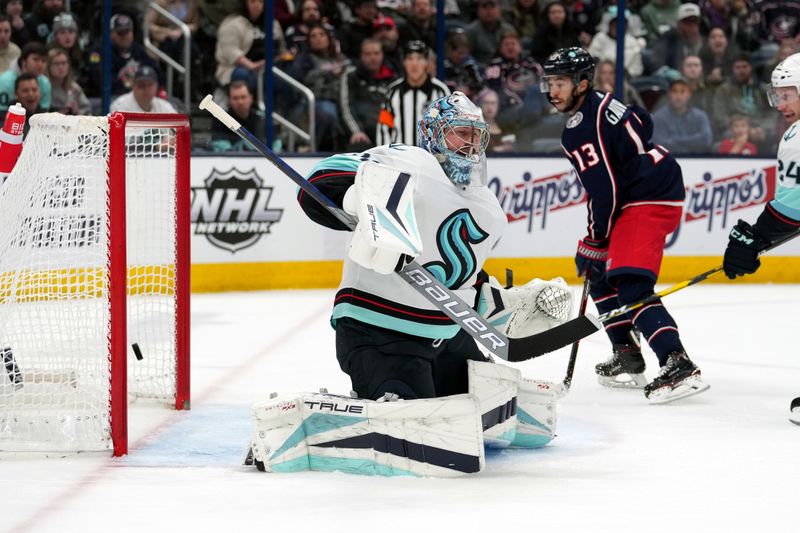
(408, 97)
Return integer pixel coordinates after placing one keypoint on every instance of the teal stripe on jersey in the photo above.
(787, 202)
(380, 320)
(347, 162)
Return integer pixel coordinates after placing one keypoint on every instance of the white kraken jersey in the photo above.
(458, 226)
(787, 193)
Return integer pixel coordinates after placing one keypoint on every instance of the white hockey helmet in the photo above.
(785, 74)
(455, 118)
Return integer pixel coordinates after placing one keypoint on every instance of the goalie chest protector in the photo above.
(459, 226)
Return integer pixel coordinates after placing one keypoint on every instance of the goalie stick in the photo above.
(509, 349)
(587, 319)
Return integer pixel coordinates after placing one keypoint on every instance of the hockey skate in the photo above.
(625, 368)
(794, 411)
(678, 378)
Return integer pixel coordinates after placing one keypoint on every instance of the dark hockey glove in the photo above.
(591, 257)
(741, 255)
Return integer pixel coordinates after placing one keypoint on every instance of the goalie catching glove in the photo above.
(382, 198)
(522, 311)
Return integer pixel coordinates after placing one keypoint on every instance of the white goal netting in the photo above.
(56, 236)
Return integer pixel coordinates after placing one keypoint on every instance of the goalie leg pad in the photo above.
(536, 413)
(438, 437)
(495, 386)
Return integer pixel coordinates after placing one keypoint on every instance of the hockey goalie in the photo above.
(426, 400)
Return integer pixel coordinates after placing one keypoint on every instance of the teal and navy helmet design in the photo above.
(454, 131)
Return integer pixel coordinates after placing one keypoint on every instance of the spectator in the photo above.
(717, 56)
(385, 30)
(715, 14)
(779, 19)
(421, 25)
(9, 52)
(27, 94)
(19, 31)
(461, 71)
(170, 38)
(142, 97)
(692, 72)
(484, 34)
(240, 106)
(363, 92)
(40, 21)
(240, 44)
(32, 60)
(297, 35)
(511, 75)
(604, 43)
(408, 97)
(583, 15)
(126, 57)
(489, 103)
(605, 80)
(65, 37)
(658, 17)
(352, 33)
(68, 97)
(678, 126)
(685, 39)
(321, 68)
(743, 95)
(744, 26)
(523, 16)
(786, 48)
(737, 142)
(555, 31)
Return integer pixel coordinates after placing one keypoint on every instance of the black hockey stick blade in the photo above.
(552, 339)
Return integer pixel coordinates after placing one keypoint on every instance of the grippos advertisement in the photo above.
(245, 210)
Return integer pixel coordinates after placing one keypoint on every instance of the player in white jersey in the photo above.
(389, 339)
(781, 216)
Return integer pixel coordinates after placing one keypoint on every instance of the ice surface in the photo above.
(725, 460)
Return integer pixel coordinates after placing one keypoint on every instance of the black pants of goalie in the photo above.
(380, 360)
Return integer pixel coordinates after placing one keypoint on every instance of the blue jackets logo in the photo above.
(232, 210)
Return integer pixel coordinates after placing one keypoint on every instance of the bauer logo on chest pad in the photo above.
(575, 119)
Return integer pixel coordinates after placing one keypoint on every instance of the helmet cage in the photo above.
(448, 123)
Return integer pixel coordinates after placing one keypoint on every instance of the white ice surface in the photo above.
(727, 460)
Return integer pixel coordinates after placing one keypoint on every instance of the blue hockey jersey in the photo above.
(609, 146)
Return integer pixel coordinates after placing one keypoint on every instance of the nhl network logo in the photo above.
(231, 210)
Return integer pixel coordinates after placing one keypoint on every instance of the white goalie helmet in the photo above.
(455, 120)
(785, 74)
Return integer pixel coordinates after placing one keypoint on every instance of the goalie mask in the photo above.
(785, 82)
(454, 131)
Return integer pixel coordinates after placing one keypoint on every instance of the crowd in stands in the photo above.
(699, 66)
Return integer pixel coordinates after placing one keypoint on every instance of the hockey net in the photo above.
(94, 268)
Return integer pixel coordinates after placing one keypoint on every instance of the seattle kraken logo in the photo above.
(455, 236)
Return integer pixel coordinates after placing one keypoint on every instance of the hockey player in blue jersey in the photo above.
(636, 195)
(781, 216)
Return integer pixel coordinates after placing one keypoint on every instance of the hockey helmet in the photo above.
(573, 61)
(453, 130)
(785, 74)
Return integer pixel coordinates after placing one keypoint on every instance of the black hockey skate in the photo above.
(677, 379)
(625, 368)
(794, 411)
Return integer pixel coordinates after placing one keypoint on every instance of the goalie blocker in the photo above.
(437, 437)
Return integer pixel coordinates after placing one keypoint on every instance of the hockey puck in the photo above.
(137, 352)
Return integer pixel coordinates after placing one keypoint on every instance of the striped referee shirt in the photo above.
(402, 109)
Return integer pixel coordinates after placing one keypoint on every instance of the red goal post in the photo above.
(94, 279)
